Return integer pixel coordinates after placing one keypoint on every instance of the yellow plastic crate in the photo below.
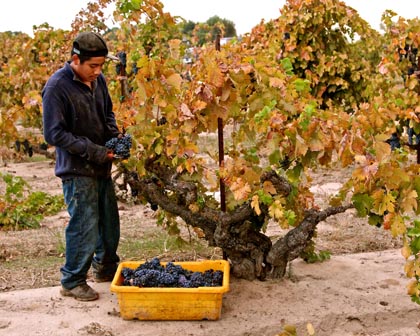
(155, 303)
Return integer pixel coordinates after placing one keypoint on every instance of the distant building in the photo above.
(225, 40)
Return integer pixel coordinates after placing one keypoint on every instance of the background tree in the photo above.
(187, 27)
(206, 32)
(229, 29)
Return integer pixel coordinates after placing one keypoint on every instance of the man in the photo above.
(78, 120)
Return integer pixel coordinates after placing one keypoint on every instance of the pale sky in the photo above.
(23, 14)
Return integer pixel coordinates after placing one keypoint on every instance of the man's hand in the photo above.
(110, 155)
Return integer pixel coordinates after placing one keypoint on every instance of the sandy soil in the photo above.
(359, 291)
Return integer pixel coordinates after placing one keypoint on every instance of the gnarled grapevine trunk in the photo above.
(251, 253)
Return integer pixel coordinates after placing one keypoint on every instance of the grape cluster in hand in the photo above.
(153, 274)
(120, 146)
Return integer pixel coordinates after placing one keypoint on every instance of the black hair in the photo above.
(82, 58)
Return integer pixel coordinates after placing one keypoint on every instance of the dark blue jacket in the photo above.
(78, 121)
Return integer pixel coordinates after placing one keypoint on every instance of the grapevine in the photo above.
(316, 87)
(22, 208)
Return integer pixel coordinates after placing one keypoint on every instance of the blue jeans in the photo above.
(93, 232)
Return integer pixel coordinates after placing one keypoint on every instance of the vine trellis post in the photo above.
(221, 151)
(221, 146)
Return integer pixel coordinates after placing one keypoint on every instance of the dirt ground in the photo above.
(360, 291)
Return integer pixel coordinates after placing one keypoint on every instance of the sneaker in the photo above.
(103, 278)
(82, 293)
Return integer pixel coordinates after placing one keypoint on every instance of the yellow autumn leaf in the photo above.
(290, 329)
(223, 172)
(158, 148)
(269, 188)
(301, 146)
(346, 156)
(394, 176)
(411, 82)
(412, 288)
(358, 144)
(409, 268)
(405, 250)
(174, 46)
(188, 149)
(141, 94)
(409, 200)
(416, 267)
(172, 136)
(397, 226)
(382, 150)
(199, 105)
(255, 204)
(240, 189)
(211, 179)
(361, 159)
(193, 207)
(388, 204)
(175, 81)
(185, 113)
(189, 126)
(190, 166)
(160, 101)
(225, 93)
(214, 75)
(276, 210)
(383, 202)
(315, 143)
(310, 329)
(382, 137)
(276, 82)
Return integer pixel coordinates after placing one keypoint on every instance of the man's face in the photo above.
(89, 70)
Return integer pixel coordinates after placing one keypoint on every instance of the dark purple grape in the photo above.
(120, 146)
